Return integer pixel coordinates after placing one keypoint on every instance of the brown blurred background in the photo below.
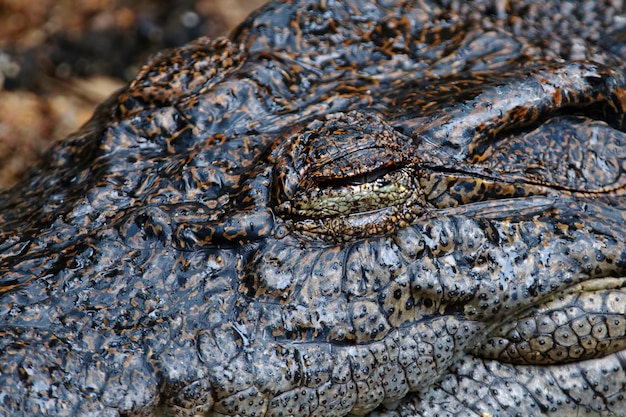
(60, 58)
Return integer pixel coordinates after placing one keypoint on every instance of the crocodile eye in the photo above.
(348, 176)
(370, 191)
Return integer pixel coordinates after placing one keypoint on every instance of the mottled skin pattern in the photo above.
(411, 208)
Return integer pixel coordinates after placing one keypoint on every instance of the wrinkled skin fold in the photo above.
(369, 208)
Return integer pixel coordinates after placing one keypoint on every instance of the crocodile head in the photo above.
(346, 208)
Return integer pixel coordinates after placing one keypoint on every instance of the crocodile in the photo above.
(384, 208)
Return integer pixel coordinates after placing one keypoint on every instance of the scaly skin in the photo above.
(410, 210)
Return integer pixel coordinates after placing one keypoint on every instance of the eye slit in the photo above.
(384, 188)
(379, 174)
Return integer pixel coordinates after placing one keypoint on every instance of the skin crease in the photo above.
(346, 208)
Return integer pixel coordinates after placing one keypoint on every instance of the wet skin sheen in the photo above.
(398, 208)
